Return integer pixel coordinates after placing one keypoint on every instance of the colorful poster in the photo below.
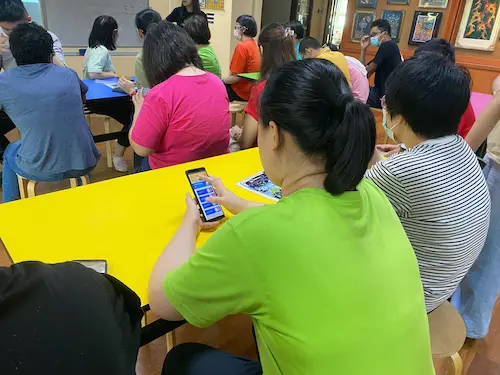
(395, 18)
(261, 185)
(425, 27)
(361, 24)
(433, 4)
(480, 25)
(212, 4)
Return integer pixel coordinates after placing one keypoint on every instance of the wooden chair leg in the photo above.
(23, 187)
(109, 153)
(233, 119)
(170, 340)
(457, 365)
(73, 182)
(31, 189)
(84, 180)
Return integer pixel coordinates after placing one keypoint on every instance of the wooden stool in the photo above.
(235, 108)
(448, 335)
(107, 129)
(27, 187)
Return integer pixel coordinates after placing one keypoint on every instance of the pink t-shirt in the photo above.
(360, 86)
(183, 119)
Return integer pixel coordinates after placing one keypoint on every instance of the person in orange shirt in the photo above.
(246, 59)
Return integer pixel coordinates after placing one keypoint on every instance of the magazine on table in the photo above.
(260, 184)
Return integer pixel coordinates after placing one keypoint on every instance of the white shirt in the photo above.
(7, 61)
(438, 190)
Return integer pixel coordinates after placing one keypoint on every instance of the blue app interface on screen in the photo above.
(203, 190)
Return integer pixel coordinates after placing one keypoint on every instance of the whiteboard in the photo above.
(72, 20)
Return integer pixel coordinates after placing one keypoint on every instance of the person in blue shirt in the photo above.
(45, 103)
(299, 33)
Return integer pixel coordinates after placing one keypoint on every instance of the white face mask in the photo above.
(236, 33)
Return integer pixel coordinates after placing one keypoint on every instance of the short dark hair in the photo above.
(439, 46)
(197, 28)
(104, 33)
(248, 22)
(30, 43)
(277, 49)
(12, 11)
(145, 18)
(297, 28)
(431, 93)
(168, 49)
(311, 100)
(309, 42)
(383, 25)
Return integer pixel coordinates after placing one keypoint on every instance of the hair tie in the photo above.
(289, 32)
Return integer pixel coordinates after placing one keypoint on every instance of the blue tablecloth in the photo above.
(99, 91)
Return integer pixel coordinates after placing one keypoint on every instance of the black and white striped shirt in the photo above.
(439, 193)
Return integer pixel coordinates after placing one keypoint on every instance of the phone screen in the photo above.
(203, 190)
(96, 265)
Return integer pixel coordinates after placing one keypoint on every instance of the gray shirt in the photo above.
(45, 103)
(7, 61)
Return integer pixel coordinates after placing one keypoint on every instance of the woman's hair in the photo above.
(168, 49)
(196, 6)
(311, 100)
(248, 22)
(278, 48)
(430, 92)
(104, 33)
(145, 18)
(197, 28)
(297, 28)
(31, 44)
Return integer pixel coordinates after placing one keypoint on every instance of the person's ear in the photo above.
(140, 33)
(28, 18)
(276, 135)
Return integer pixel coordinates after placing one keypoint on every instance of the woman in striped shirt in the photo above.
(436, 186)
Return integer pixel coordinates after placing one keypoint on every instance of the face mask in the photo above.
(236, 33)
(375, 41)
(388, 131)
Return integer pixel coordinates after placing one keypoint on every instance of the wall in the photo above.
(222, 41)
(483, 66)
(276, 11)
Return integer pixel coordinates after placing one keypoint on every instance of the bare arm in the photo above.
(138, 100)
(371, 68)
(102, 75)
(484, 124)
(232, 79)
(248, 137)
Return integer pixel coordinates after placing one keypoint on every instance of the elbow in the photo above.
(161, 307)
(139, 150)
(94, 75)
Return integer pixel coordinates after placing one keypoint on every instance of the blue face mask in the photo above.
(375, 41)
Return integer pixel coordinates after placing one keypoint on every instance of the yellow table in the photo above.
(126, 221)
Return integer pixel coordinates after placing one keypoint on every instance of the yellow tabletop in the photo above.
(126, 221)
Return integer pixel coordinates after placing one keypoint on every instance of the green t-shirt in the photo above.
(97, 60)
(209, 59)
(140, 75)
(332, 285)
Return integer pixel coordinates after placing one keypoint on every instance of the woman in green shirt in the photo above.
(327, 274)
(197, 28)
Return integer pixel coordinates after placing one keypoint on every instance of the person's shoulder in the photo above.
(54, 36)
(390, 45)
(259, 219)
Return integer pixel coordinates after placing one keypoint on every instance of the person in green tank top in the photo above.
(327, 275)
(197, 28)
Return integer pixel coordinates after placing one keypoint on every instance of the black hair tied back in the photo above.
(312, 101)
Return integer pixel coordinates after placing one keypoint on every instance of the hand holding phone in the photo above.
(203, 190)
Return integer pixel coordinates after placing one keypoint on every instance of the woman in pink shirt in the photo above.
(185, 116)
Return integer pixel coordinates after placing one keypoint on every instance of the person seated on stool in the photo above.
(12, 13)
(246, 59)
(387, 59)
(45, 103)
(185, 116)
(311, 48)
(327, 274)
(436, 186)
(98, 65)
(277, 48)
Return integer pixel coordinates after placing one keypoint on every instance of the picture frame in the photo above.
(361, 24)
(425, 27)
(366, 4)
(395, 18)
(399, 2)
(480, 26)
(212, 4)
(442, 4)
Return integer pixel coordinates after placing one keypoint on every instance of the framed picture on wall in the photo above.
(400, 2)
(212, 4)
(395, 18)
(425, 27)
(366, 4)
(433, 4)
(480, 25)
(361, 25)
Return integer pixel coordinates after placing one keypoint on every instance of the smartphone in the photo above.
(100, 266)
(203, 190)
